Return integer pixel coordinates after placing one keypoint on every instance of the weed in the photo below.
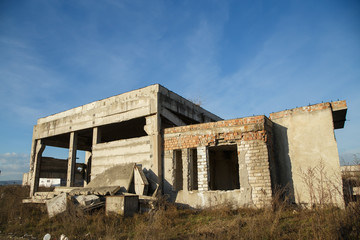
(167, 221)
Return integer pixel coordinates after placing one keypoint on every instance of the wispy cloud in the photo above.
(13, 165)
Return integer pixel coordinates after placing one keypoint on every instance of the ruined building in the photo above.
(192, 156)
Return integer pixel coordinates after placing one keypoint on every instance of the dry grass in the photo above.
(168, 222)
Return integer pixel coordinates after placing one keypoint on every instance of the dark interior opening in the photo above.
(178, 185)
(193, 169)
(123, 130)
(224, 168)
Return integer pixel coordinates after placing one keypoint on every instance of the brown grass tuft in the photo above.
(169, 222)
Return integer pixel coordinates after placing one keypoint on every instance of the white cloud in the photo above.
(13, 165)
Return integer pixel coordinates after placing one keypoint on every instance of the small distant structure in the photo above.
(49, 182)
(151, 142)
(351, 183)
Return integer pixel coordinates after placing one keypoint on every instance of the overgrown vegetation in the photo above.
(168, 222)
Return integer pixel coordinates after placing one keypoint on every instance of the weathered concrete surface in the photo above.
(57, 205)
(86, 200)
(133, 104)
(80, 129)
(113, 162)
(104, 190)
(125, 205)
(307, 154)
(118, 175)
(141, 184)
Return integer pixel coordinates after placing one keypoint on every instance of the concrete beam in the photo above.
(54, 143)
(172, 117)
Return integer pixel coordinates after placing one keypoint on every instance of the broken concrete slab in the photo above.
(102, 191)
(125, 205)
(86, 200)
(57, 205)
(141, 183)
(119, 175)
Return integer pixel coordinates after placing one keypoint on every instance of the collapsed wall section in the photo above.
(233, 163)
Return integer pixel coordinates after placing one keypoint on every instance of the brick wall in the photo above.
(202, 169)
(252, 135)
(311, 108)
(208, 134)
(257, 163)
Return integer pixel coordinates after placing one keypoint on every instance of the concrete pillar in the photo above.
(71, 160)
(157, 150)
(96, 136)
(88, 155)
(37, 151)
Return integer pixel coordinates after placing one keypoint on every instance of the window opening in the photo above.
(178, 185)
(123, 130)
(224, 168)
(193, 171)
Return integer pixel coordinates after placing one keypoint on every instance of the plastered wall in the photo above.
(307, 155)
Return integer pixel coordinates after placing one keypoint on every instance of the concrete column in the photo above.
(96, 136)
(72, 160)
(35, 174)
(203, 168)
(157, 148)
(88, 167)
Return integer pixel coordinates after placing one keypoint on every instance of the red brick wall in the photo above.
(205, 134)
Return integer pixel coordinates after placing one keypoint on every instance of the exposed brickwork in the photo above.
(338, 105)
(203, 182)
(252, 136)
(207, 134)
(310, 108)
(257, 163)
(219, 124)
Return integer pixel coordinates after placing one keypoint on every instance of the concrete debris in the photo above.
(104, 190)
(118, 175)
(57, 205)
(85, 200)
(125, 205)
(140, 181)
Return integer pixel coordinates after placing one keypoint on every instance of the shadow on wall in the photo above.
(282, 161)
(169, 190)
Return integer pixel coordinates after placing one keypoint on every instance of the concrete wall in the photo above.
(307, 155)
(250, 137)
(122, 152)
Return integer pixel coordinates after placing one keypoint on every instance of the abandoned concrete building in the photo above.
(152, 141)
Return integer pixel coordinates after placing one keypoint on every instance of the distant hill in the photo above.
(11, 182)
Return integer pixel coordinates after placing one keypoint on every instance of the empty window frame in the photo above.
(193, 171)
(178, 178)
(123, 130)
(224, 168)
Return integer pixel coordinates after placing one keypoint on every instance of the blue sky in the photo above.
(238, 58)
